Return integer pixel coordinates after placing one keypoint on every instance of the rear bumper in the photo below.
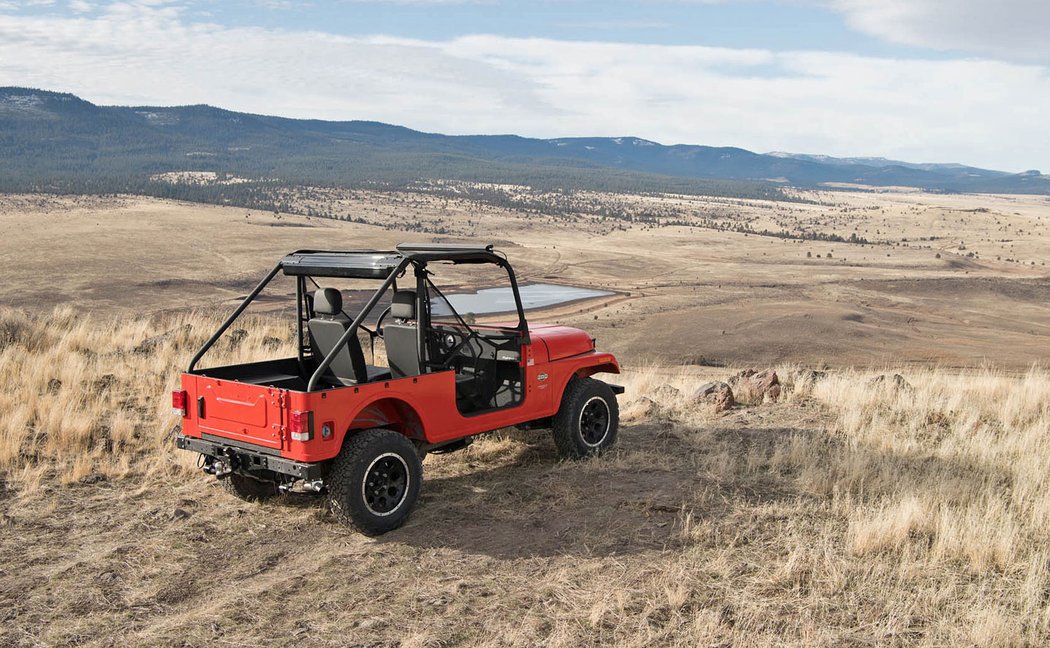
(250, 459)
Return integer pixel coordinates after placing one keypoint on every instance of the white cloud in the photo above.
(1013, 29)
(973, 111)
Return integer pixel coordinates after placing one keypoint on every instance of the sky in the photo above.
(920, 80)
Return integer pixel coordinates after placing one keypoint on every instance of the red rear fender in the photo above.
(390, 413)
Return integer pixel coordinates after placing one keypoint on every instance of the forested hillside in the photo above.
(58, 142)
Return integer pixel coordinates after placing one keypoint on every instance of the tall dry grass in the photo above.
(943, 484)
(87, 398)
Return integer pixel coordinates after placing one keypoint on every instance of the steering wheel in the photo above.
(449, 343)
(379, 322)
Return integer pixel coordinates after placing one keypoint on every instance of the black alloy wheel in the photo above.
(386, 484)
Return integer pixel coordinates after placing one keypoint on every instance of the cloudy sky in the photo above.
(921, 80)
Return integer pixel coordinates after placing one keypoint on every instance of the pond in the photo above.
(533, 296)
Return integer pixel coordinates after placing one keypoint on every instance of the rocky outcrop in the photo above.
(667, 393)
(718, 394)
(760, 386)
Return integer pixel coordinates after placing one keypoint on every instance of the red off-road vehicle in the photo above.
(331, 423)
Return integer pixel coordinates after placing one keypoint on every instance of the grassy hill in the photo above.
(53, 141)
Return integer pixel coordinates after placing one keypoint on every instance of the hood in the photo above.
(561, 341)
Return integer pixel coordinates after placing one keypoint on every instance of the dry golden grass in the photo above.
(851, 512)
(87, 397)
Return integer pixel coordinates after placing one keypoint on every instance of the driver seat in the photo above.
(325, 328)
(401, 336)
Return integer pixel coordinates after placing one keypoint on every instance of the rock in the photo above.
(767, 383)
(667, 392)
(643, 407)
(757, 386)
(54, 385)
(896, 382)
(717, 393)
(743, 375)
(180, 514)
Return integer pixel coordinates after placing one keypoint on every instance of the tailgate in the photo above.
(240, 411)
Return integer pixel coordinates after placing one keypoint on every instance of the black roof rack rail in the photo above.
(443, 247)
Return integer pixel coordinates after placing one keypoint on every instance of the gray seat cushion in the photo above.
(348, 367)
(403, 305)
(400, 336)
(401, 349)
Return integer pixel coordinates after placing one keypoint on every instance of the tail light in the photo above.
(301, 425)
(178, 402)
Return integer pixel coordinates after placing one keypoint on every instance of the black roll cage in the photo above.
(386, 265)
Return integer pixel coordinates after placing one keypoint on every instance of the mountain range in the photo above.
(51, 139)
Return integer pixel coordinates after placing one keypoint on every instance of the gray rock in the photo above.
(716, 393)
(667, 392)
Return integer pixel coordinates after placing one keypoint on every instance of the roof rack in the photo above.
(354, 264)
(378, 264)
(443, 247)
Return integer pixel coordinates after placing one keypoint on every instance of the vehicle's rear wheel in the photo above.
(588, 421)
(249, 488)
(374, 481)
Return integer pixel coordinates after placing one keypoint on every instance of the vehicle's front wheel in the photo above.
(374, 481)
(588, 421)
(249, 488)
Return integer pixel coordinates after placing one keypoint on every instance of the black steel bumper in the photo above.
(248, 459)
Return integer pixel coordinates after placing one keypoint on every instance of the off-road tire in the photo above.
(250, 489)
(577, 428)
(381, 456)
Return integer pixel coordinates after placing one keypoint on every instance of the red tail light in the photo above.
(301, 425)
(178, 402)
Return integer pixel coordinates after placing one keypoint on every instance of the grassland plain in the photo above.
(850, 512)
(954, 281)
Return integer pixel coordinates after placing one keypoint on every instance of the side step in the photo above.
(445, 448)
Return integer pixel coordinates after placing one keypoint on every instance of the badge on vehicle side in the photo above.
(542, 376)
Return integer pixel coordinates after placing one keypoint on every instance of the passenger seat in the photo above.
(401, 336)
(325, 328)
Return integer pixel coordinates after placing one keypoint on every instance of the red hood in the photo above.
(561, 341)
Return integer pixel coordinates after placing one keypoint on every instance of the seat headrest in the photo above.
(403, 305)
(328, 301)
